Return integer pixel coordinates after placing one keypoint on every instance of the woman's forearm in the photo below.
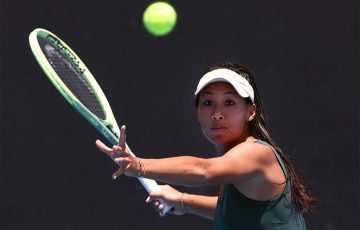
(203, 206)
(185, 170)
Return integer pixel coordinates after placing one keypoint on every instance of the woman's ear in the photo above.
(252, 112)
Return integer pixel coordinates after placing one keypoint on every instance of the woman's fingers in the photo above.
(122, 138)
(124, 163)
(117, 153)
(113, 153)
(103, 148)
(154, 198)
(119, 172)
(156, 195)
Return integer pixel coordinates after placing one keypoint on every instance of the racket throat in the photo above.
(114, 130)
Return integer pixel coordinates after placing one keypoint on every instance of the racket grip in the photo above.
(152, 186)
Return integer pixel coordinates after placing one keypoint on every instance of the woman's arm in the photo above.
(242, 162)
(183, 170)
(203, 206)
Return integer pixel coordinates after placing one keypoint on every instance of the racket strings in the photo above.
(72, 77)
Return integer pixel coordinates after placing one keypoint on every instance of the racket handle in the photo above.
(152, 186)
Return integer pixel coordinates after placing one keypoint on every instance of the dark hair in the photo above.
(257, 128)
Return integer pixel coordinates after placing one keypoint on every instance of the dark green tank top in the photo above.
(236, 211)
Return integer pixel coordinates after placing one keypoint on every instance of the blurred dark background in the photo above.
(305, 58)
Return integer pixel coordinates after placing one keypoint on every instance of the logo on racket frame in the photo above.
(66, 52)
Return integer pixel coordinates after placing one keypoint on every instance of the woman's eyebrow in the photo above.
(230, 92)
(207, 92)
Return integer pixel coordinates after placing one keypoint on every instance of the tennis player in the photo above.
(259, 187)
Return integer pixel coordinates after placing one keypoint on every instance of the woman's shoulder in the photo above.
(256, 150)
(264, 178)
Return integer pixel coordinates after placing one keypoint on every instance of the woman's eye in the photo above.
(207, 103)
(229, 102)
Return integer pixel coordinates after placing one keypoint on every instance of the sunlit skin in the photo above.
(224, 116)
(251, 167)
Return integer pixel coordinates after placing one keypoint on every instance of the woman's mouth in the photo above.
(218, 128)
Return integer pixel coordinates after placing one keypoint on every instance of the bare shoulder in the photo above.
(253, 151)
(264, 178)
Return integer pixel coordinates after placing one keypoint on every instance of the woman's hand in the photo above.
(121, 155)
(170, 196)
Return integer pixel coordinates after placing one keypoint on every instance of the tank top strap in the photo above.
(279, 159)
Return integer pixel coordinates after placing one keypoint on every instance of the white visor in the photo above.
(241, 85)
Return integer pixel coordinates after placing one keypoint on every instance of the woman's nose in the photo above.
(217, 116)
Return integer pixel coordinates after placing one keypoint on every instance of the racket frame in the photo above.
(101, 125)
(108, 127)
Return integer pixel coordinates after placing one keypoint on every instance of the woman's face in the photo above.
(224, 115)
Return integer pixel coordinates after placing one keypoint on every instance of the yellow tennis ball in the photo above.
(159, 18)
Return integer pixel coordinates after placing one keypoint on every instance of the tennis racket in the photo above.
(77, 85)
